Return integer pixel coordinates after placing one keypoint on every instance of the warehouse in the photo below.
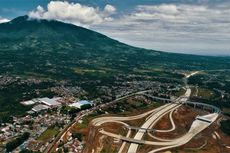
(39, 108)
(50, 102)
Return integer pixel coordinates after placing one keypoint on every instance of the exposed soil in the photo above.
(183, 118)
(204, 142)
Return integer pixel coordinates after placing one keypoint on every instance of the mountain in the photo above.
(38, 55)
(30, 46)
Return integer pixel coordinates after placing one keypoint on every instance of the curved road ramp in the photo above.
(152, 117)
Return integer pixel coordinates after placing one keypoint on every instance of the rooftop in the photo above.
(84, 102)
(40, 107)
(49, 102)
(80, 103)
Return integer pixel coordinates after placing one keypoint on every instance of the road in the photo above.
(156, 117)
(196, 127)
(172, 123)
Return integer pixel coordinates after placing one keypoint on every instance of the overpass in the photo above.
(204, 106)
(200, 105)
(199, 124)
(195, 128)
(159, 98)
(139, 128)
(203, 119)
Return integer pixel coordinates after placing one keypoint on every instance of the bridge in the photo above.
(196, 105)
(203, 119)
(203, 106)
(138, 128)
(165, 100)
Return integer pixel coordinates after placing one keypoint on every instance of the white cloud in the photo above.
(73, 13)
(174, 27)
(109, 9)
(164, 8)
(192, 27)
(2, 20)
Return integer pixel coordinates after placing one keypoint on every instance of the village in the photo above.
(43, 122)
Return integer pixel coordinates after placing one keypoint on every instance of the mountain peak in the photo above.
(20, 19)
(25, 30)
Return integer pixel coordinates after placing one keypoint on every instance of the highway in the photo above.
(156, 117)
(102, 120)
(196, 127)
(153, 116)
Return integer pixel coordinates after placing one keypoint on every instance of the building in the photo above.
(26, 103)
(40, 107)
(50, 102)
(81, 103)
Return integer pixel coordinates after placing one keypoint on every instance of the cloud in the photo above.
(194, 26)
(179, 27)
(74, 13)
(2, 20)
(109, 9)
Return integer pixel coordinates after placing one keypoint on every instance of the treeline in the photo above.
(225, 127)
(10, 146)
(72, 110)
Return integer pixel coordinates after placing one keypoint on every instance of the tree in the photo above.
(84, 107)
(77, 135)
(10, 146)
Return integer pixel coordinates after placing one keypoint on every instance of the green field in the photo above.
(205, 93)
(180, 92)
(48, 134)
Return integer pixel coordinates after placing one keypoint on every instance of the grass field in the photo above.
(48, 134)
(180, 92)
(205, 93)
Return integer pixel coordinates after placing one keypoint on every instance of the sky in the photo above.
(183, 26)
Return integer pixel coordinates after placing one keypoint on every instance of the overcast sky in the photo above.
(185, 26)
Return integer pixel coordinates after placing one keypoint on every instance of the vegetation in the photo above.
(180, 92)
(84, 124)
(213, 87)
(69, 110)
(205, 93)
(87, 106)
(10, 146)
(225, 127)
(50, 133)
(28, 151)
(108, 150)
(77, 135)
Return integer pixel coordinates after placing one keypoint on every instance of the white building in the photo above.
(29, 102)
(50, 102)
(40, 107)
(79, 104)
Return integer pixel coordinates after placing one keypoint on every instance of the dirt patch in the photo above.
(183, 118)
